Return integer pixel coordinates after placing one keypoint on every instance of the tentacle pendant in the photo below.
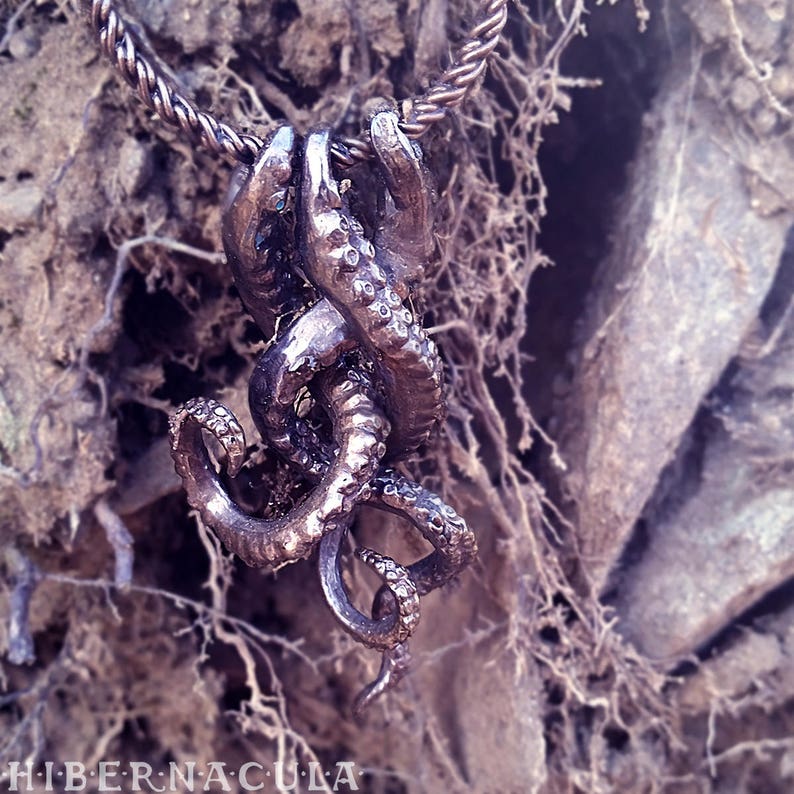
(352, 340)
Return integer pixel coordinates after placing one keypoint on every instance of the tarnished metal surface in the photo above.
(365, 359)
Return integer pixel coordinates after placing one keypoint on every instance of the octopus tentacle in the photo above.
(313, 458)
(281, 376)
(304, 349)
(395, 664)
(455, 545)
(311, 343)
(358, 293)
(359, 433)
(454, 542)
(258, 234)
(314, 339)
(343, 266)
(389, 629)
(403, 239)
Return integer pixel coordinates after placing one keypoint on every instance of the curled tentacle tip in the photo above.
(217, 419)
(395, 665)
(364, 700)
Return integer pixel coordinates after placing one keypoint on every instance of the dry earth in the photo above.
(614, 307)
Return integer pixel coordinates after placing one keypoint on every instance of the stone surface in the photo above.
(732, 539)
(691, 264)
(135, 166)
(735, 671)
(501, 731)
(23, 44)
(19, 206)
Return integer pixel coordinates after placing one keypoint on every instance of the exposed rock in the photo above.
(690, 267)
(19, 206)
(733, 538)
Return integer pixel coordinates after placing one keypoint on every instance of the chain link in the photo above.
(158, 93)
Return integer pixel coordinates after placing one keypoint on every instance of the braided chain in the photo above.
(159, 94)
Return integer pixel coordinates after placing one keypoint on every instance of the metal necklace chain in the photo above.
(147, 76)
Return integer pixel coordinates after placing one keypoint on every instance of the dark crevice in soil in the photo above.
(773, 603)
(778, 301)
(137, 424)
(584, 161)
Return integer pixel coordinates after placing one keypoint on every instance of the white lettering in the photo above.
(314, 770)
(108, 769)
(14, 774)
(243, 776)
(142, 771)
(216, 774)
(74, 776)
(280, 785)
(48, 765)
(350, 775)
(185, 781)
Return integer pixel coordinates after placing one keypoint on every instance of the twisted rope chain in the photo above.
(157, 92)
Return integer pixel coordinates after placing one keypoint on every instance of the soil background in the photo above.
(613, 301)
